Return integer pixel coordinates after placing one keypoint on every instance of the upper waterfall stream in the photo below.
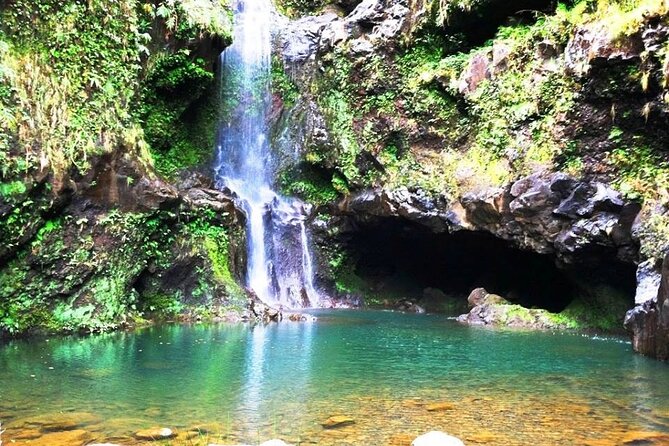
(279, 268)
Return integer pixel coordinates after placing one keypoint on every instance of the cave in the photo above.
(401, 258)
(482, 22)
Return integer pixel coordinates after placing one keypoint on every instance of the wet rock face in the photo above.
(559, 215)
(300, 39)
(595, 45)
(648, 323)
(372, 23)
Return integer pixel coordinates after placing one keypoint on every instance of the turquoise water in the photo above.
(251, 383)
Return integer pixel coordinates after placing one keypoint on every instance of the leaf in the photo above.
(163, 11)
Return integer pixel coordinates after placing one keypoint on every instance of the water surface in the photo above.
(245, 383)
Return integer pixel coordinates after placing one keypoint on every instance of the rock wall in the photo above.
(103, 223)
(558, 215)
(551, 136)
(648, 323)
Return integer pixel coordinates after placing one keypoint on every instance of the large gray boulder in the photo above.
(648, 323)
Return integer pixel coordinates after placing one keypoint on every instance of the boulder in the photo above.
(595, 44)
(477, 297)
(548, 214)
(484, 208)
(647, 282)
(654, 37)
(477, 70)
(493, 310)
(213, 199)
(409, 306)
(300, 39)
(587, 198)
(500, 57)
(648, 323)
(486, 309)
(437, 438)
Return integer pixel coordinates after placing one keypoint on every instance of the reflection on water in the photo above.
(251, 383)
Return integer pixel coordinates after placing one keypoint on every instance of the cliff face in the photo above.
(545, 128)
(437, 134)
(102, 105)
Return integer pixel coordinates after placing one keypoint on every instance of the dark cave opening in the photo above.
(482, 22)
(399, 257)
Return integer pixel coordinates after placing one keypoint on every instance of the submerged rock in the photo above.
(437, 438)
(26, 434)
(439, 407)
(337, 421)
(155, 434)
(77, 437)
(409, 306)
(274, 442)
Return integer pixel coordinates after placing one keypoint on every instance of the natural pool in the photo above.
(243, 383)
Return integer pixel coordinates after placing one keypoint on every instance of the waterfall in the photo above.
(280, 267)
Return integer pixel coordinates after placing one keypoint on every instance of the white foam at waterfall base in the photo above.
(280, 267)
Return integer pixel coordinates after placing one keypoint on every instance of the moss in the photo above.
(216, 244)
(310, 184)
(82, 274)
(642, 171)
(71, 79)
(602, 308)
(654, 236)
(163, 304)
(299, 8)
(281, 83)
(179, 112)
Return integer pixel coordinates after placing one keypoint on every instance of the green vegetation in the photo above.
(71, 76)
(73, 71)
(299, 8)
(82, 275)
(282, 84)
(309, 184)
(654, 236)
(81, 80)
(179, 112)
(642, 172)
(427, 119)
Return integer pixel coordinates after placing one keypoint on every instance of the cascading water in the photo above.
(280, 268)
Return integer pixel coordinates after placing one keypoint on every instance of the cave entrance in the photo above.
(481, 22)
(401, 258)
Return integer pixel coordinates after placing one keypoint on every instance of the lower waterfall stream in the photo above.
(280, 267)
